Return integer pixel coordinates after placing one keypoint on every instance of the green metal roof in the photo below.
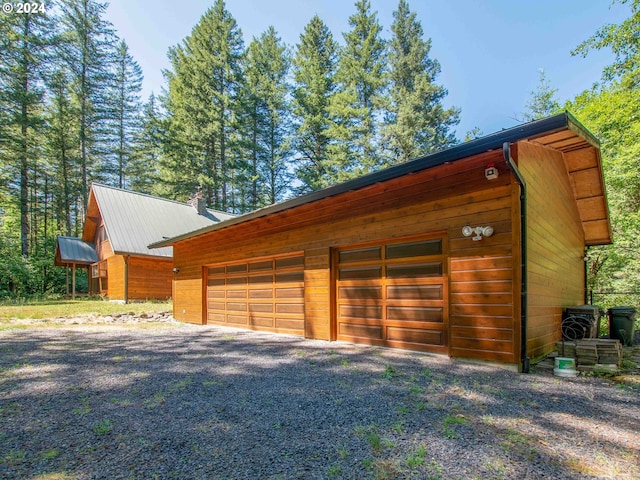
(134, 220)
(75, 250)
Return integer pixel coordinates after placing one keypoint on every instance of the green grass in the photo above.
(103, 427)
(333, 471)
(49, 309)
(448, 423)
(50, 454)
(417, 458)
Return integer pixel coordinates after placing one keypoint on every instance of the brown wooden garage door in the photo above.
(263, 294)
(393, 294)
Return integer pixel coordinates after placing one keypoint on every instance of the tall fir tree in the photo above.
(361, 82)
(125, 102)
(542, 101)
(416, 122)
(62, 149)
(314, 70)
(88, 51)
(27, 44)
(201, 105)
(143, 171)
(268, 118)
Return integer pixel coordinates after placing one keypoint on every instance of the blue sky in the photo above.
(490, 51)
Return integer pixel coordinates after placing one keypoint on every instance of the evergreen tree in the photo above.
(542, 102)
(89, 54)
(361, 82)
(269, 123)
(416, 122)
(201, 104)
(126, 106)
(62, 149)
(27, 42)
(143, 171)
(314, 69)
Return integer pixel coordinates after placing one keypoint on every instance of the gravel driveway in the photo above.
(193, 402)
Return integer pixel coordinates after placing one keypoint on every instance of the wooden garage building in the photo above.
(386, 259)
(119, 226)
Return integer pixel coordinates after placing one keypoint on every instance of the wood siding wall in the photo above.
(102, 243)
(149, 278)
(483, 319)
(115, 277)
(555, 245)
(441, 199)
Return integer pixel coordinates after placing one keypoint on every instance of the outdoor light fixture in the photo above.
(479, 232)
(176, 270)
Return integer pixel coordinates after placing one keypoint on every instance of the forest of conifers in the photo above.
(250, 125)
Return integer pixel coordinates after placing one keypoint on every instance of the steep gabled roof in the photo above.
(73, 250)
(134, 220)
(561, 132)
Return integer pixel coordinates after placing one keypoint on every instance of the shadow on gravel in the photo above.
(204, 403)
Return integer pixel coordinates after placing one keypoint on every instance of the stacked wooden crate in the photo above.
(593, 354)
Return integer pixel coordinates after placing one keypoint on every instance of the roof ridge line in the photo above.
(154, 197)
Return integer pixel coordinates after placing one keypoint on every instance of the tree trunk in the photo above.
(24, 145)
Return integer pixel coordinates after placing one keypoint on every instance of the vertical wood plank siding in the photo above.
(441, 199)
(555, 245)
(115, 277)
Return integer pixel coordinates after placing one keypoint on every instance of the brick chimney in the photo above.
(197, 202)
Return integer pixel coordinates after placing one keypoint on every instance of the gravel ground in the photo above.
(191, 402)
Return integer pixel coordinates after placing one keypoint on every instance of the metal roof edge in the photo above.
(146, 255)
(474, 147)
(579, 129)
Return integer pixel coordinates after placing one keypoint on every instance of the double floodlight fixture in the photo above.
(477, 232)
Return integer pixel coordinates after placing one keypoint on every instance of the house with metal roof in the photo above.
(119, 226)
(472, 252)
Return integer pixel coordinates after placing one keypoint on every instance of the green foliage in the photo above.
(267, 119)
(610, 112)
(247, 127)
(416, 123)
(103, 427)
(149, 141)
(61, 148)
(622, 39)
(16, 275)
(88, 50)
(125, 101)
(314, 68)
(361, 81)
(202, 108)
(25, 54)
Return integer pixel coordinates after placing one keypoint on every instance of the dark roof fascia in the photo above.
(494, 141)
